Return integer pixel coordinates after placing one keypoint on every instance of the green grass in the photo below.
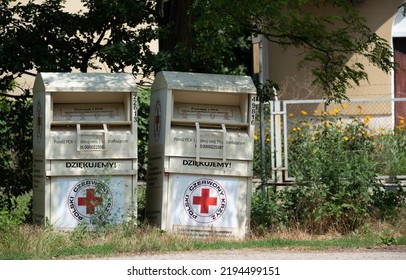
(46, 243)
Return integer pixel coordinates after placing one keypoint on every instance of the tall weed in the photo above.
(335, 163)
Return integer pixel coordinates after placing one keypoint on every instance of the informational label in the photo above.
(204, 231)
(89, 112)
(204, 201)
(191, 165)
(38, 173)
(207, 112)
(253, 110)
(92, 165)
(183, 143)
(63, 144)
(92, 142)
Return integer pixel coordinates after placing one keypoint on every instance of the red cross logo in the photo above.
(205, 201)
(39, 121)
(157, 120)
(90, 201)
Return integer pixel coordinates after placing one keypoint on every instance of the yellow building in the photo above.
(386, 20)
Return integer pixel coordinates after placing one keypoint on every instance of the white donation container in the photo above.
(201, 143)
(84, 148)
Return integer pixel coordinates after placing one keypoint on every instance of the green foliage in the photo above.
(45, 37)
(387, 238)
(266, 213)
(143, 132)
(326, 39)
(15, 146)
(388, 202)
(335, 163)
(391, 152)
(13, 212)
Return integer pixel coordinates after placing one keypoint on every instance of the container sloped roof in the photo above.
(84, 82)
(203, 82)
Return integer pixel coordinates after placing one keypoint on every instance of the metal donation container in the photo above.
(85, 148)
(201, 143)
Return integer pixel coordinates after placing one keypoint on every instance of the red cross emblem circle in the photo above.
(87, 196)
(205, 200)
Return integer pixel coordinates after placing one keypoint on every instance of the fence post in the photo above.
(276, 141)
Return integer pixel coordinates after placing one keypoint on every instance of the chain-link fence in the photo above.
(379, 116)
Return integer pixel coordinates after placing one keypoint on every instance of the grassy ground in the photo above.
(30, 242)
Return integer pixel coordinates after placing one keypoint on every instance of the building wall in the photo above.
(296, 83)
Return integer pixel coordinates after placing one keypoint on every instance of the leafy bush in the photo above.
(335, 163)
(143, 131)
(15, 146)
(391, 151)
(14, 211)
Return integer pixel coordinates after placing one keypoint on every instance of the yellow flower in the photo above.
(344, 105)
(367, 118)
(304, 113)
(291, 115)
(346, 138)
(255, 137)
(313, 138)
(268, 139)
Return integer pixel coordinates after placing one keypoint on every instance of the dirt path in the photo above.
(381, 253)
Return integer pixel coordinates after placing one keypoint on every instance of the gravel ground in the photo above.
(381, 253)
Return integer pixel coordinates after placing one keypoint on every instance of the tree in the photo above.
(45, 37)
(15, 146)
(189, 43)
(327, 41)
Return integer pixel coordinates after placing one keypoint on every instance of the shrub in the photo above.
(14, 211)
(335, 163)
(15, 146)
(391, 152)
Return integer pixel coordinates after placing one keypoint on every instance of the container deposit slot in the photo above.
(207, 114)
(90, 120)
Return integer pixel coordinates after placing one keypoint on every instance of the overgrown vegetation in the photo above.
(335, 163)
(15, 146)
(23, 241)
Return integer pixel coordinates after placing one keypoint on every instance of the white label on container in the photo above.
(207, 112)
(89, 112)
